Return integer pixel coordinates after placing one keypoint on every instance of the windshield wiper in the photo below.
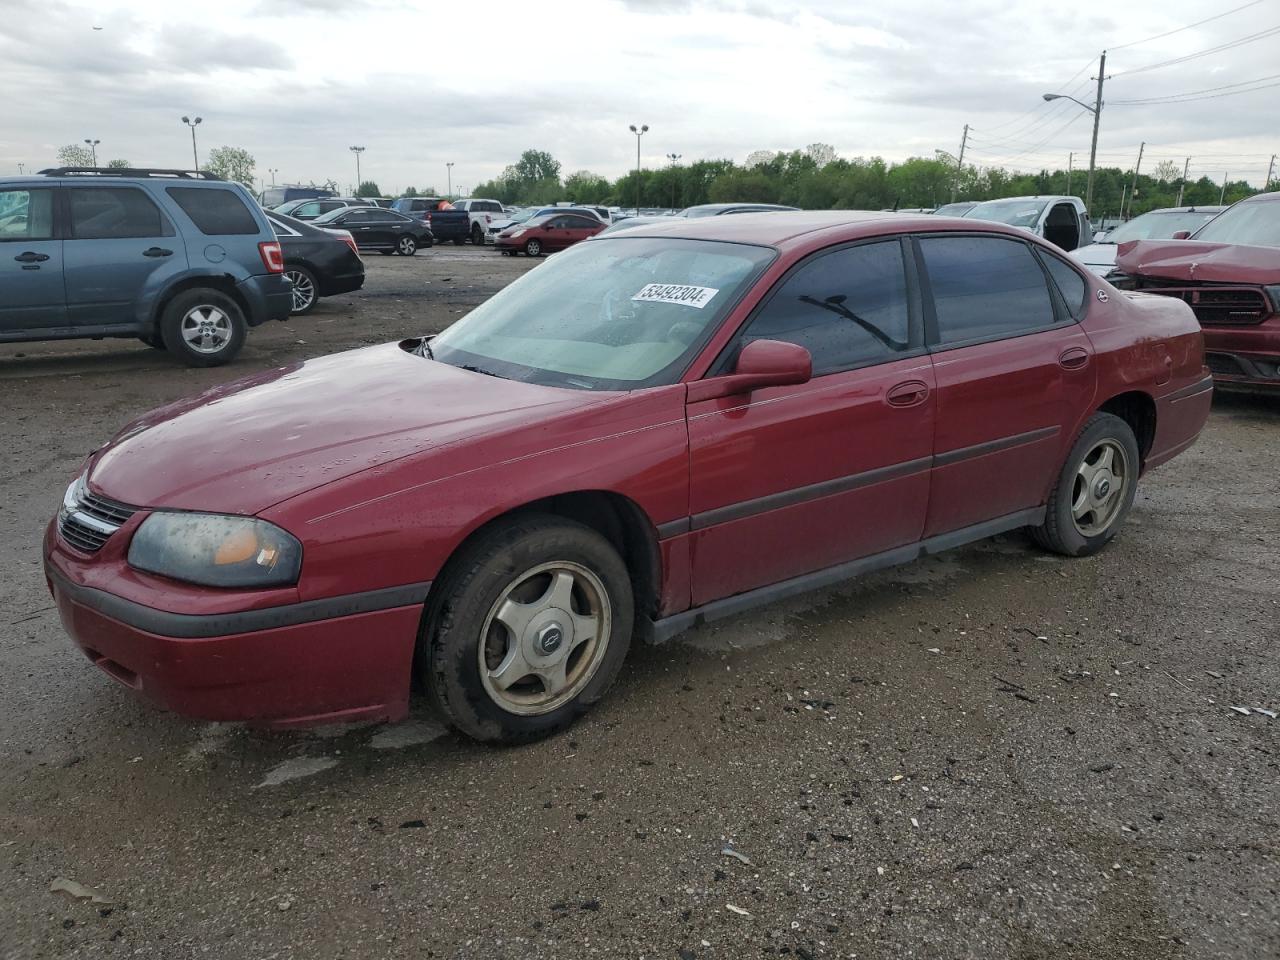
(424, 349)
(475, 369)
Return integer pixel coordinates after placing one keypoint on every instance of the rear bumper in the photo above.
(1180, 416)
(1245, 358)
(269, 296)
(341, 668)
(333, 285)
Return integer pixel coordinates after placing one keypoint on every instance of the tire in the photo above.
(459, 241)
(466, 643)
(406, 246)
(533, 248)
(203, 327)
(477, 236)
(386, 253)
(306, 292)
(153, 340)
(1094, 491)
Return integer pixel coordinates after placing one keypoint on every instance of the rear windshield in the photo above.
(1016, 213)
(216, 211)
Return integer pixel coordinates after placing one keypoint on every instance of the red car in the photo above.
(653, 430)
(547, 234)
(1229, 272)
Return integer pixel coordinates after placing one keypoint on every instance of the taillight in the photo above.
(272, 256)
(350, 241)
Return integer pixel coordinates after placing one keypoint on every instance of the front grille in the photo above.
(1218, 305)
(1224, 364)
(92, 521)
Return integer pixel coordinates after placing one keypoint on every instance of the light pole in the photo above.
(195, 159)
(1096, 110)
(449, 176)
(644, 128)
(357, 151)
(20, 166)
(93, 147)
(273, 171)
(674, 158)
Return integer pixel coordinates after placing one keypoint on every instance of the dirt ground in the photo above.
(994, 753)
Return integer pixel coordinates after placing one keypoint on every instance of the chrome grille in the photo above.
(88, 521)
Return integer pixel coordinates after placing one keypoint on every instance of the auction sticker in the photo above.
(676, 293)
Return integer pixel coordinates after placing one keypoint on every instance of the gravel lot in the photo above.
(993, 754)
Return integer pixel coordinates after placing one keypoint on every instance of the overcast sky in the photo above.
(421, 83)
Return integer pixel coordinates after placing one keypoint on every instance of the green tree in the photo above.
(368, 189)
(231, 163)
(586, 187)
(74, 155)
(537, 165)
(118, 164)
(410, 192)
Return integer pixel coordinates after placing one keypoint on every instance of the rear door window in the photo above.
(106, 213)
(216, 211)
(985, 288)
(26, 215)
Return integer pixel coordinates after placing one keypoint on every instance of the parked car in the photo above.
(1063, 221)
(645, 434)
(272, 197)
(483, 214)
(721, 209)
(384, 202)
(179, 260)
(528, 213)
(1229, 274)
(315, 209)
(319, 263)
(438, 214)
(1100, 256)
(957, 209)
(385, 231)
(547, 234)
(627, 223)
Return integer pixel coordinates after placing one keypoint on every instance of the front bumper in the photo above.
(301, 664)
(1245, 358)
(269, 296)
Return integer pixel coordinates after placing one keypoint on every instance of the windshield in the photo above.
(524, 215)
(953, 209)
(1255, 224)
(1016, 213)
(614, 314)
(1158, 226)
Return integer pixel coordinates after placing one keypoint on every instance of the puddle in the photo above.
(407, 734)
(296, 769)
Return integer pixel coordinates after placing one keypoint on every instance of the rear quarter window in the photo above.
(1069, 283)
(216, 212)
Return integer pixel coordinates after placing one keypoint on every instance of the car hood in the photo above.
(1199, 261)
(245, 446)
(1099, 257)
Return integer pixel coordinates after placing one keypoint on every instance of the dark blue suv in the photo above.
(182, 261)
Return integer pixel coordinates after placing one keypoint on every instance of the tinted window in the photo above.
(581, 223)
(848, 308)
(985, 287)
(215, 211)
(1070, 284)
(26, 214)
(352, 216)
(102, 213)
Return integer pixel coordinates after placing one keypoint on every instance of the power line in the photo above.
(1170, 33)
(1228, 45)
(1192, 95)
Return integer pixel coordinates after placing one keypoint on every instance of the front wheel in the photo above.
(1095, 490)
(407, 247)
(203, 327)
(529, 628)
(533, 248)
(477, 236)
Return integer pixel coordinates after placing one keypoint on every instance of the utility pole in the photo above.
(1183, 185)
(1222, 194)
(1097, 115)
(1270, 166)
(1133, 190)
(1070, 159)
(955, 184)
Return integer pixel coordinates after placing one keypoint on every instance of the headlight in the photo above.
(71, 499)
(516, 233)
(216, 550)
(1274, 293)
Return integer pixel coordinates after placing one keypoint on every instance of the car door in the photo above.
(1013, 370)
(789, 480)
(578, 228)
(553, 234)
(119, 245)
(32, 295)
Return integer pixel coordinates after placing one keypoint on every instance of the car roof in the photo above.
(1274, 195)
(800, 228)
(1195, 208)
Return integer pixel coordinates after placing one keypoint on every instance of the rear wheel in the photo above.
(407, 246)
(1095, 490)
(305, 291)
(533, 248)
(530, 628)
(203, 327)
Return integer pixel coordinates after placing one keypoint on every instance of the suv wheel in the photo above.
(305, 293)
(407, 247)
(203, 327)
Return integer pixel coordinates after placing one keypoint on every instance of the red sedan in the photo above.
(547, 234)
(653, 430)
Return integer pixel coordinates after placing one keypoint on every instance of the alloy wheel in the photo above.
(206, 329)
(304, 291)
(1101, 484)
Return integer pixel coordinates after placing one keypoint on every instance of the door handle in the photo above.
(31, 256)
(1073, 358)
(908, 394)
(157, 252)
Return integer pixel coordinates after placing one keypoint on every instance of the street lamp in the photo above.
(674, 158)
(644, 128)
(93, 147)
(273, 171)
(449, 174)
(195, 159)
(1096, 110)
(357, 151)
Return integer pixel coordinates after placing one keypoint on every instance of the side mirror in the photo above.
(762, 363)
(1181, 235)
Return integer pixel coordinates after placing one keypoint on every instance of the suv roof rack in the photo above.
(127, 172)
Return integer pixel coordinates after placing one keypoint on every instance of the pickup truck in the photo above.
(446, 223)
(1228, 271)
(1060, 220)
(482, 213)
